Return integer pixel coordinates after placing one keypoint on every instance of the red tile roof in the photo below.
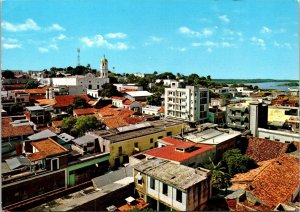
(10, 131)
(84, 111)
(42, 102)
(118, 98)
(67, 100)
(161, 110)
(56, 123)
(276, 182)
(261, 149)
(127, 102)
(140, 204)
(36, 90)
(46, 148)
(170, 153)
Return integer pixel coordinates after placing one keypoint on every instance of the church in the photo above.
(87, 84)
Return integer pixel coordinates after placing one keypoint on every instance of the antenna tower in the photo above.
(78, 57)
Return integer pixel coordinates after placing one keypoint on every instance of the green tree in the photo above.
(80, 102)
(8, 74)
(109, 90)
(208, 78)
(220, 179)
(166, 75)
(15, 108)
(31, 84)
(86, 123)
(154, 99)
(236, 162)
(193, 79)
(68, 123)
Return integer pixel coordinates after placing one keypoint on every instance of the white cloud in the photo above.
(59, 37)
(11, 45)
(99, 41)
(87, 41)
(153, 40)
(28, 25)
(53, 46)
(224, 18)
(206, 43)
(265, 30)
(226, 44)
(116, 35)
(282, 45)
(181, 49)
(209, 50)
(55, 27)
(204, 33)
(258, 42)
(43, 49)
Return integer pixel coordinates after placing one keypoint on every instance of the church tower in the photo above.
(104, 68)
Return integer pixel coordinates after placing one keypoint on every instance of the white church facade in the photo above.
(89, 83)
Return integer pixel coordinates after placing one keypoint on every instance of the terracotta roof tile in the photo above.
(36, 90)
(84, 111)
(67, 100)
(127, 102)
(56, 123)
(42, 102)
(46, 148)
(118, 98)
(274, 182)
(9, 130)
(261, 149)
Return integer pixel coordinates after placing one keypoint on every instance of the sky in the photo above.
(229, 39)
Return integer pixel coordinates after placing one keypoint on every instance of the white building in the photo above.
(151, 110)
(189, 103)
(168, 186)
(89, 82)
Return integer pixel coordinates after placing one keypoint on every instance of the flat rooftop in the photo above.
(211, 136)
(179, 176)
(154, 127)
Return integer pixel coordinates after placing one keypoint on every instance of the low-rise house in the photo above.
(86, 144)
(260, 149)
(63, 102)
(14, 134)
(38, 115)
(183, 152)
(264, 188)
(57, 125)
(84, 112)
(152, 110)
(284, 136)
(137, 95)
(168, 186)
(222, 140)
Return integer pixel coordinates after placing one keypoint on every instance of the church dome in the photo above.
(104, 60)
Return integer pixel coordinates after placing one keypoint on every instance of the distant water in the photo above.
(272, 85)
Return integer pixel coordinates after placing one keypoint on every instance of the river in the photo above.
(272, 85)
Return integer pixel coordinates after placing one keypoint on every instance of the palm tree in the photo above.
(220, 179)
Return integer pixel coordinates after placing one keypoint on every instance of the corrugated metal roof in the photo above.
(41, 135)
(17, 162)
(84, 139)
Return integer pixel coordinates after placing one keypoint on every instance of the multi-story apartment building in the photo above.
(169, 186)
(247, 116)
(189, 104)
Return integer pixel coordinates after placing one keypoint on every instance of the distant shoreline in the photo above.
(293, 84)
(232, 81)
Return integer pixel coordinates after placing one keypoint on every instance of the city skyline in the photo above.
(228, 39)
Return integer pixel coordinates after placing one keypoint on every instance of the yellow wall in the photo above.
(277, 114)
(143, 143)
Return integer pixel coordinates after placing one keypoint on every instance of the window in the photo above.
(98, 86)
(159, 137)
(151, 140)
(120, 150)
(165, 189)
(169, 133)
(136, 145)
(90, 86)
(178, 195)
(152, 183)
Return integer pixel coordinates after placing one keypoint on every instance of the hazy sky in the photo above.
(221, 38)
